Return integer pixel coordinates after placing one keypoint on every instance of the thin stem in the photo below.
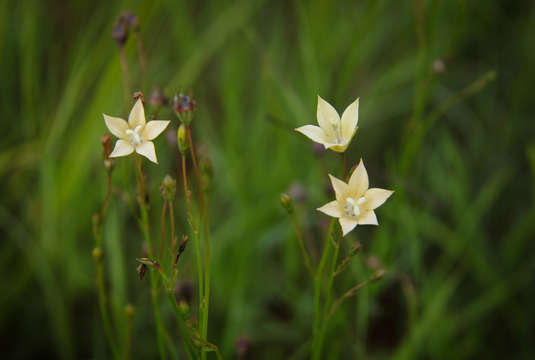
(349, 293)
(103, 303)
(195, 233)
(206, 310)
(107, 198)
(317, 282)
(162, 244)
(302, 245)
(195, 165)
(128, 343)
(102, 296)
(144, 224)
(323, 329)
(172, 220)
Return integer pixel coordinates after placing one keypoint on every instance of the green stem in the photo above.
(103, 302)
(128, 343)
(102, 296)
(317, 284)
(144, 224)
(206, 308)
(325, 320)
(195, 234)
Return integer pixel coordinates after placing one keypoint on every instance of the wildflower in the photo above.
(183, 103)
(135, 134)
(333, 133)
(355, 202)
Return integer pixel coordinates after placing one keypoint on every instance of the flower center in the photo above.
(135, 135)
(352, 206)
(337, 130)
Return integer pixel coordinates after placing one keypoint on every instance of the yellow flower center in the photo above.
(135, 135)
(352, 206)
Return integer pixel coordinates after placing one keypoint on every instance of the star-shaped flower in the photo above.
(135, 134)
(354, 202)
(333, 133)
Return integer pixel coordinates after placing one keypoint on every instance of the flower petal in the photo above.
(117, 126)
(327, 116)
(154, 128)
(368, 218)
(137, 115)
(358, 182)
(147, 150)
(337, 147)
(314, 133)
(332, 209)
(350, 118)
(347, 225)
(122, 148)
(376, 197)
(340, 188)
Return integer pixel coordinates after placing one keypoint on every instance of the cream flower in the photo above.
(354, 202)
(333, 133)
(135, 134)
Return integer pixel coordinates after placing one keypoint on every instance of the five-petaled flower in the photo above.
(354, 202)
(333, 133)
(135, 135)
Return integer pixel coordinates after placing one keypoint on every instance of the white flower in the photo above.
(135, 134)
(354, 202)
(333, 133)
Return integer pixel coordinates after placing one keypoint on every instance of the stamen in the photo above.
(352, 207)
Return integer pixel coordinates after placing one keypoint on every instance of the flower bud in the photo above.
(97, 254)
(287, 203)
(120, 31)
(129, 310)
(107, 145)
(157, 97)
(182, 139)
(183, 307)
(183, 105)
(378, 275)
(168, 188)
(141, 269)
(139, 95)
(131, 20)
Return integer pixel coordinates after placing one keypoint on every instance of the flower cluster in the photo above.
(355, 201)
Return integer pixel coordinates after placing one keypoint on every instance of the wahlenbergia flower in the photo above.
(333, 133)
(355, 202)
(136, 134)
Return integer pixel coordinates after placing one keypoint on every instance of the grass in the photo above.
(456, 145)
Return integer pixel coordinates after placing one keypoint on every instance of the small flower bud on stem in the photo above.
(182, 140)
(287, 203)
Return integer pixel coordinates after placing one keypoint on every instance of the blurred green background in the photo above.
(446, 93)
